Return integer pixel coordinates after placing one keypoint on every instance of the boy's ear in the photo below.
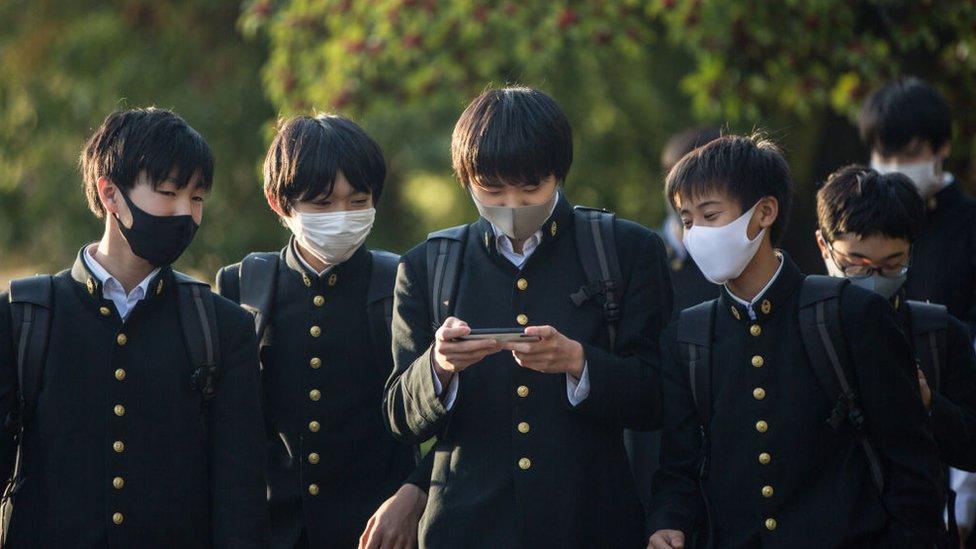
(822, 244)
(108, 195)
(767, 211)
(944, 150)
(273, 204)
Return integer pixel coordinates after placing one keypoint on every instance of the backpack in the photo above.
(257, 282)
(930, 322)
(595, 244)
(31, 310)
(820, 328)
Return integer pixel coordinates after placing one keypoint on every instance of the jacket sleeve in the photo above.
(896, 424)
(953, 411)
(624, 385)
(237, 443)
(412, 409)
(8, 390)
(420, 477)
(677, 502)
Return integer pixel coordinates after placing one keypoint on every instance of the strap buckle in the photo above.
(203, 379)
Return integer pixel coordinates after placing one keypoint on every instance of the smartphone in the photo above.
(499, 334)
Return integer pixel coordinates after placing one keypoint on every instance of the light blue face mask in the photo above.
(887, 286)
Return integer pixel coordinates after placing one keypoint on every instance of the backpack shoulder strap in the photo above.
(694, 337)
(597, 247)
(258, 284)
(31, 308)
(198, 321)
(930, 321)
(381, 282)
(822, 334)
(444, 250)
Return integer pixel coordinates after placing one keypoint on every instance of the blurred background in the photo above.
(628, 73)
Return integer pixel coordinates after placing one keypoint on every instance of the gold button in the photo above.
(522, 284)
(765, 458)
(314, 426)
(553, 228)
(735, 313)
(757, 361)
(762, 426)
(120, 374)
(522, 320)
(770, 524)
(523, 427)
(333, 279)
(121, 339)
(105, 311)
(766, 306)
(767, 491)
(90, 284)
(522, 391)
(313, 458)
(759, 393)
(306, 280)
(315, 394)
(118, 446)
(315, 331)
(755, 330)
(313, 489)
(118, 483)
(119, 410)
(318, 301)
(315, 363)
(525, 463)
(117, 518)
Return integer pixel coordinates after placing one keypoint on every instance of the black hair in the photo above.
(686, 141)
(859, 201)
(513, 135)
(745, 169)
(153, 140)
(901, 111)
(308, 153)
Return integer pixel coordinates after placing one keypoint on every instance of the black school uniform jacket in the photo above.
(944, 255)
(331, 460)
(952, 414)
(778, 475)
(117, 454)
(516, 465)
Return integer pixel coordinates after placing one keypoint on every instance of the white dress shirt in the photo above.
(748, 304)
(964, 484)
(576, 390)
(112, 289)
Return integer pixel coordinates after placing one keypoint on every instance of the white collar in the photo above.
(762, 292)
(106, 278)
(298, 254)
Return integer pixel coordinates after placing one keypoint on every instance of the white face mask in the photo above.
(722, 253)
(922, 174)
(332, 237)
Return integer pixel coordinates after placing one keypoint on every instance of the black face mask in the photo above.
(160, 240)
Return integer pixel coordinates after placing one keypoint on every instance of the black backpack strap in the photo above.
(31, 308)
(258, 284)
(930, 322)
(597, 248)
(379, 303)
(444, 250)
(820, 328)
(198, 321)
(694, 337)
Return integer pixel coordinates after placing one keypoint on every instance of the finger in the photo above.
(676, 539)
(544, 332)
(364, 538)
(524, 348)
(472, 346)
(451, 322)
(375, 540)
(447, 333)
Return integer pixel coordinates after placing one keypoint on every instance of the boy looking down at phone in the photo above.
(529, 450)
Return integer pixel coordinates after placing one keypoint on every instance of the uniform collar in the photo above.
(767, 302)
(333, 275)
(92, 279)
(944, 198)
(554, 227)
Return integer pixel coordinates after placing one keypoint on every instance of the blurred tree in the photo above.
(64, 65)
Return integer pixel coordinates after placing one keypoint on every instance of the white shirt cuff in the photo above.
(452, 388)
(965, 486)
(577, 391)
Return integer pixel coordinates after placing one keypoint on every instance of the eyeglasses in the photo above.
(859, 267)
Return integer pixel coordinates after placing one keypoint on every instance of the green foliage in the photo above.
(65, 65)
